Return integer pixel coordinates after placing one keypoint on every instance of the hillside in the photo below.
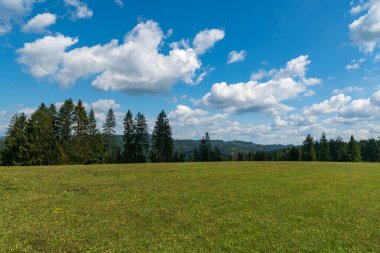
(226, 147)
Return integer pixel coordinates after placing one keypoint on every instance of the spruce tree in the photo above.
(353, 150)
(141, 139)
(65, 128)
(95, 140)
(108, 131)
(41, 137)
(129, 138)
(162, 141)
(308, 149)
(205, 149)
(16, 148)
(324, 149)
(81, 145)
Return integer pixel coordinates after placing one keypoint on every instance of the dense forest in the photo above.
(70, 135)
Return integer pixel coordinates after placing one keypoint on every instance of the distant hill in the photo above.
(226, 147)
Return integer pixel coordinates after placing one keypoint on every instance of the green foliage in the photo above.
(41, 138)
(112, 152)
(323, 150)
(162, 141)
(15, 151)
(141, 149)
(129, 137)
(353, 150)
(308, 149)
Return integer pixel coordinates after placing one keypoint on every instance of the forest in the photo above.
(70, 135)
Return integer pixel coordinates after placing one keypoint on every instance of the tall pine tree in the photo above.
(141, 148)
(308, 149)
(16, 148)
(129, 138)
(111, 151)
(81, 145)
(162, 141)
(353, 150)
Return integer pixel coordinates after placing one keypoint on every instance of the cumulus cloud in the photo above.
(103, 105)
(346, 109)
(365, 30)
(265, 96)
(44, 56)
(206, 40)
(39, 23)
(236, 56)
(12, 11)
(135, 66)
(79, 10)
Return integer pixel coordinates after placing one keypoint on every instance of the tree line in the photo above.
(324, 150)
(69, 135)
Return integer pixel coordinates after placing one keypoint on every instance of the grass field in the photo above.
(215, 207)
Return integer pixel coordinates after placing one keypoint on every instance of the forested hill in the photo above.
(226, 147)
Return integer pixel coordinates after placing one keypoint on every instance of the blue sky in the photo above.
(262, 71)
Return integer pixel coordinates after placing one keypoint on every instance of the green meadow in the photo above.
(191, 207)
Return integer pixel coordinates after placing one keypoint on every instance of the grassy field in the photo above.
(215, 207)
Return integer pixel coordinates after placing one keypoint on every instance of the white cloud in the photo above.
(103, 105)
(12, 11)
(39, 23)
(206, 40)
(349, 89)
(80, 10)
(346, 109)
(256, 76)
(44, 56)
(135, 66)
(365, 30)
(266, 97)
(355, 64)
(309, 93)
(236, 56)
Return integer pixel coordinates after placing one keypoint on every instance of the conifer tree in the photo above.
(162, 141)
(308, 149)
(141, 139)
(324, 149)
(81, 145)
(353, 150)
(16, 148)
(108, 131)
(95, 140)
(129, 138)
(65, 128)
(294, 154)
(205, 149)
(41, 137)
